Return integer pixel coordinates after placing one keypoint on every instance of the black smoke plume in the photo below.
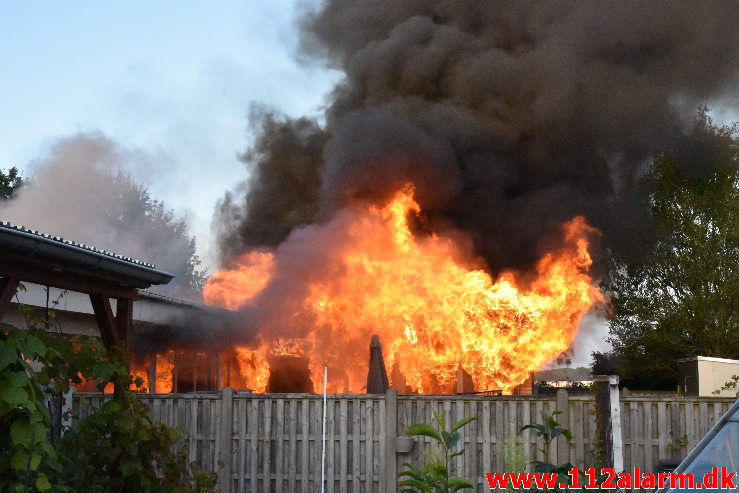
(509, 117)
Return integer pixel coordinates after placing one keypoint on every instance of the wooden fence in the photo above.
(272, 442)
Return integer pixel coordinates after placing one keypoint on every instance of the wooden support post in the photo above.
(124, 321)
(391, 431)
(226, 452)
(8, 287)
(106, 321)
(563, 447)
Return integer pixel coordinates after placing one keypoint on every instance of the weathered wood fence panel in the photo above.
(498, 422)
(665, 428)
(272, 442)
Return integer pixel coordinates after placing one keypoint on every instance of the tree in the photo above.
(9, 182)
(162, 237)
(684, 300)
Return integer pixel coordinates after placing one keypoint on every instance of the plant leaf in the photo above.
(440, 419)
(21, 433)
(452, 440)
(8, 354)
(459, 483)
(540, 429)
(416, 484)
(462, 422)
(425, 430)
(42, 482)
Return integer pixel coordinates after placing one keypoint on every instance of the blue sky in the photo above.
(173, 79)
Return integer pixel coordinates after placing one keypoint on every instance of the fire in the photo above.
(164, 367)
(423, 295)
(219, 290)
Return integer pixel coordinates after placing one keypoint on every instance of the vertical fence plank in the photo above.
(292, 465)
(280, 438)
(648, 443)
(225, 453)
(305, 446)
(343, 459)
(368, 414)
(390, 432)
(356, 444)
(254, 444)
(242, 410)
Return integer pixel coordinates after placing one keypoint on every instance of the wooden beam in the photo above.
(105, 319)
(64, 279)
(124, 321)
(8, 287)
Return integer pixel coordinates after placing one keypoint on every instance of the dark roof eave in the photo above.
(34, 245)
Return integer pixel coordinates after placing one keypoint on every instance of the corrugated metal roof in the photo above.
(15, 227)
(42, 247)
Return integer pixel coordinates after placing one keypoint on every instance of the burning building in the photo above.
(456, 196)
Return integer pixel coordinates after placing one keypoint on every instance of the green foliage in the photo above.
(683, 300)
(677, 443)
(434, 477)
(514, 460)
(116, 449)
(9, 182)
(731, 384)
(549, 432)
(23, 415)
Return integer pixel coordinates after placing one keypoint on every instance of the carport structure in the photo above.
(30, 256)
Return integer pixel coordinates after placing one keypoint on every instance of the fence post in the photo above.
(563, 447)
(617, 447)
(391, 431)
(225, 454)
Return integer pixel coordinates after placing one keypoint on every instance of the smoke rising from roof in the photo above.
(509, 118)
(81, 191)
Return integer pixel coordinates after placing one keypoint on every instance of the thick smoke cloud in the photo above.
(81, 191)
(510, 118)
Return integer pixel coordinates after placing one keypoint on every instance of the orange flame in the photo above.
(221, 286)
(164, 367)
(433, 311)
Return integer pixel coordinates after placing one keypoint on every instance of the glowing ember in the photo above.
(423, 296)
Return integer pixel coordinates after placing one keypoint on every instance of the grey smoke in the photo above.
(510, 118)
(82, 191)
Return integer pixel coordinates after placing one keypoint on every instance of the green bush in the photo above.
(116, 449)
